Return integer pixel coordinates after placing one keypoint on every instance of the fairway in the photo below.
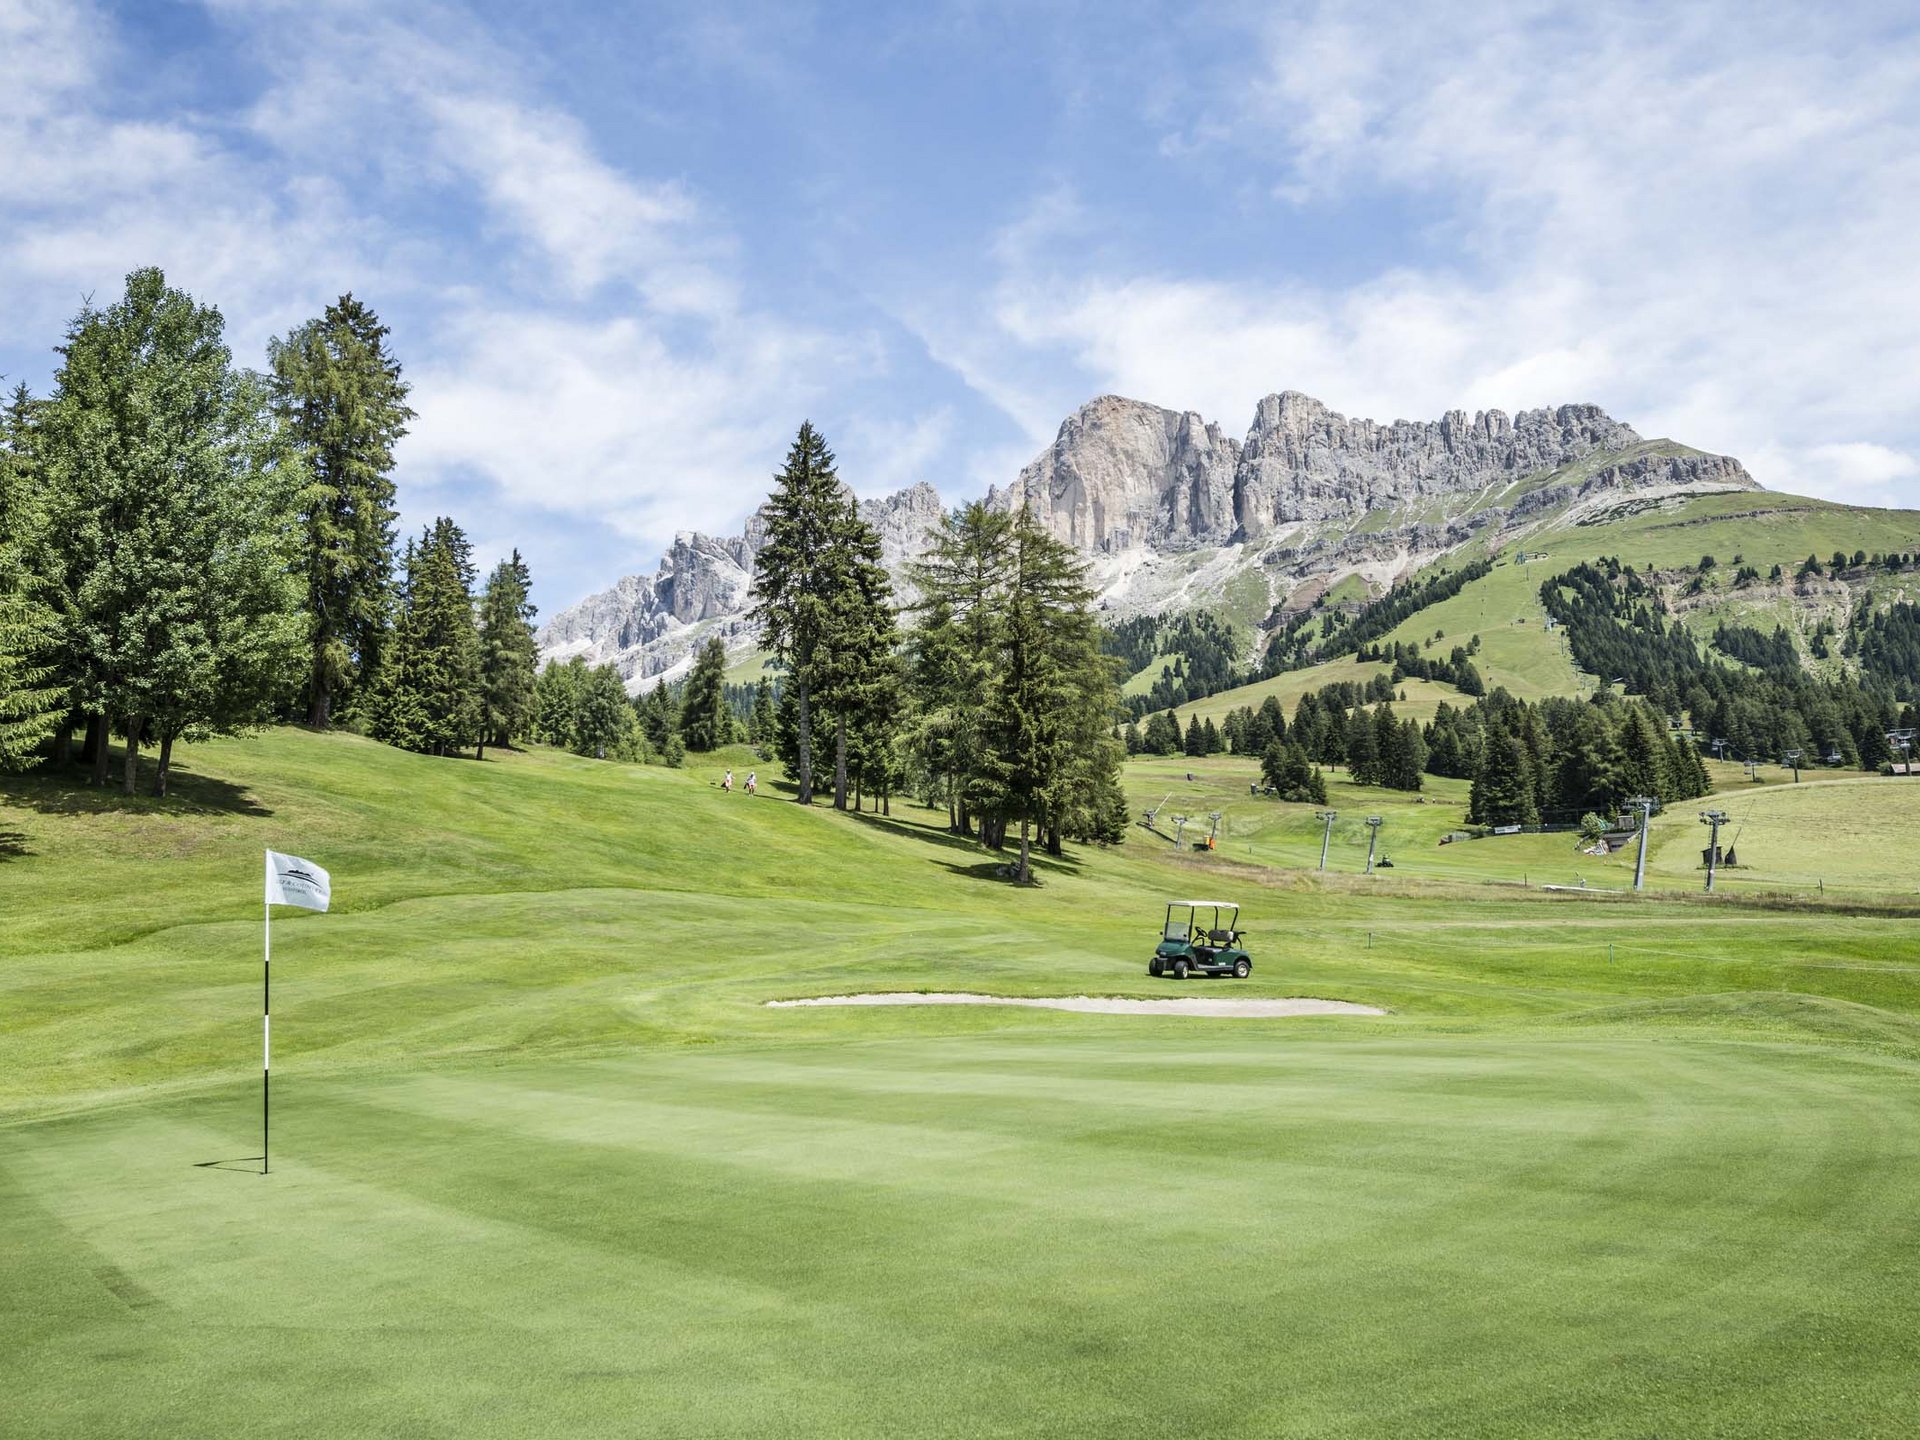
(545, 1158)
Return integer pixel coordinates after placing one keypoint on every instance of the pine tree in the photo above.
(508, 655)
(796, 576)
(705, 721)
(339, 391)
(1195, 743)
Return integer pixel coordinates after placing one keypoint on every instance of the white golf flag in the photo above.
(293, 881)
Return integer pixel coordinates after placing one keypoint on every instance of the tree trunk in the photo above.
(132, 784)
(96, 751)
(480, 745)
(1051, 832)
(993, 831)
(63, 743)
(320, 711)
(1024, 874)
(166, 762)
(886, 798)
(803, 740)
(840, 762)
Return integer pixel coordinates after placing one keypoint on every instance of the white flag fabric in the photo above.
(293, 881)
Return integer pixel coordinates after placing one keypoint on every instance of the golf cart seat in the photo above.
(1221, 937)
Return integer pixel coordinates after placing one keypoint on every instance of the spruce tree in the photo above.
(796, 574)
(602, 719)
(852, 672)
(955, 649)
(555, 696)
(32, 701)
(760, 723)
(1041, 688)
(168, 493)
(705, 721)
(339, 391)
(429, 699)
(508, 655)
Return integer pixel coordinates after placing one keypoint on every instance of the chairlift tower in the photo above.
(1904, 740)
(1714, 819)
(1644, 804)
(1792, 757)
(1374, 822)
(1326, 818)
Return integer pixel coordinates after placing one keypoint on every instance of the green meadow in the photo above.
(545, 1162)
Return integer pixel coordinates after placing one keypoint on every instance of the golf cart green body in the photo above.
(1201, 937)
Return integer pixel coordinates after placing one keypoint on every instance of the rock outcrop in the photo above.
(1122, 473)
(650, 625)
(1127, 483)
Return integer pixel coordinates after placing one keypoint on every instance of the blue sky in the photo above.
(625, 249)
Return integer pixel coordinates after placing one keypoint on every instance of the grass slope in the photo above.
(545, 1161)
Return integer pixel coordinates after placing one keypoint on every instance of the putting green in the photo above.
(545, 1160)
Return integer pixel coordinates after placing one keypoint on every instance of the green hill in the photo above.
(543, 1156)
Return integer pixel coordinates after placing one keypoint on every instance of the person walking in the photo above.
(727, 784)
(752, 780)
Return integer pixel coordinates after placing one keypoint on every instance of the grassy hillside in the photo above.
(544, 1159)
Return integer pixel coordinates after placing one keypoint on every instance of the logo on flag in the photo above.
(293, 881)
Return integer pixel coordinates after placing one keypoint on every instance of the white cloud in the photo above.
(1704, 220)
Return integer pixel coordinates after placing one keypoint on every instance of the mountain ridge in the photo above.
(1172, 511)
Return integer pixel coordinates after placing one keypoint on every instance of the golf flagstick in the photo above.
(290, 881)
(266, 1037)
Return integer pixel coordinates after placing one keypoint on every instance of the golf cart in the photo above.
(1201, 937)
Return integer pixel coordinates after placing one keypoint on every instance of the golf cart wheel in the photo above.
(1242, 968)
(1179, 969)
(1153, 966)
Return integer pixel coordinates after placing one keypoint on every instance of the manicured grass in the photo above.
(1836, 832)
(545, 1162)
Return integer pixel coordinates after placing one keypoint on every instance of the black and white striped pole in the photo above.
(290, 881)
(266, 1040)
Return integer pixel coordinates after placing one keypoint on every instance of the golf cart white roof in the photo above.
(1206, 904)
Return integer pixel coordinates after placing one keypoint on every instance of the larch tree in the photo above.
(340, 393)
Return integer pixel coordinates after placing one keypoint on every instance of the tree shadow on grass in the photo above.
(13, 844)
(989, 865)
(64, 790)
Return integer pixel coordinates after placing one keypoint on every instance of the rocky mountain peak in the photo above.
(1128, 483)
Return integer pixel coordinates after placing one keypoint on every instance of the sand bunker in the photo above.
(1222, 1009)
